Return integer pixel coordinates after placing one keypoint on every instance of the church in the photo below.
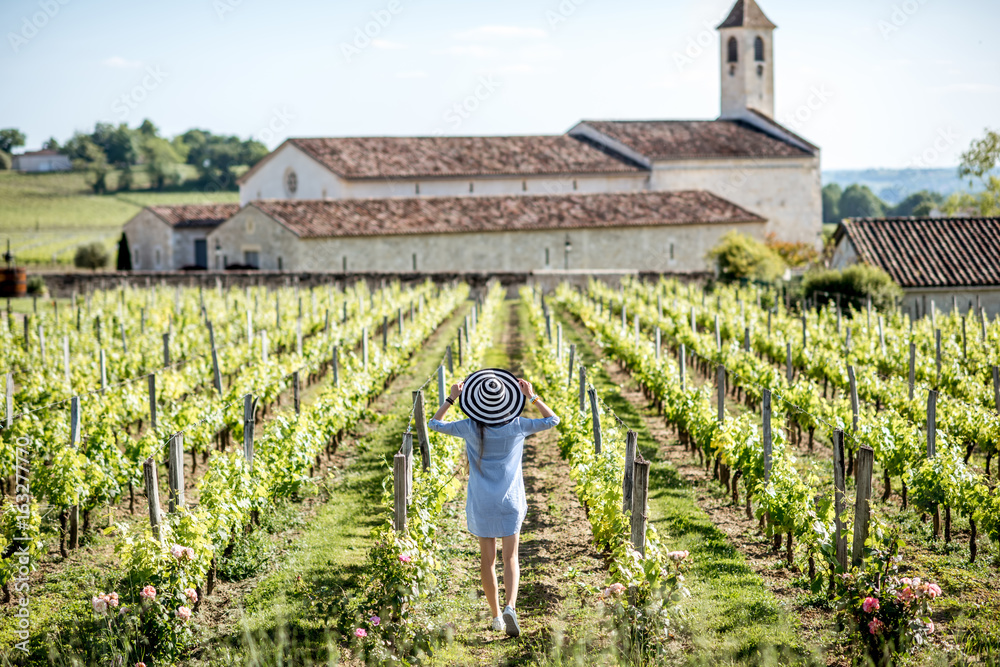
(646, 195)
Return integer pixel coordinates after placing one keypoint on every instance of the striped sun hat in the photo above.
(492, 396)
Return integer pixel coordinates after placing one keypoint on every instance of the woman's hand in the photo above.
(456, 390)
(526, 388)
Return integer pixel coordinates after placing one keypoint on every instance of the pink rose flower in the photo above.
(405, 559)
(140, 664)
(870, 605)
(677, 555)
(906, 594)
(183, 613)
(191, 594)
(930, 627)
(360, 633)
(112, 599)
(933, 590)
(375, 620)
(99, 604)
(875, 626)
(616, 589)
(148, 593)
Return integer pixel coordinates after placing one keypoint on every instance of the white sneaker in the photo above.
(510, 620)
(497, 625)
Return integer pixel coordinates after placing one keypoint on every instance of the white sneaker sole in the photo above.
(513, 629)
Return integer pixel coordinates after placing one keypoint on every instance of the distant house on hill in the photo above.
(45, 160)
(939, 261)
(169, 238)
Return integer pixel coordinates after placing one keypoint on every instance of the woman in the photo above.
(494, 442)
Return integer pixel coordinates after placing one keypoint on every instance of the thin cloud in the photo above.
(121, 63)
(470, 50)
(500, 32)
(413, 74)
(386, 44)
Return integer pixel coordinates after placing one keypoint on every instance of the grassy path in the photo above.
(733, 616)
(285, 617)
(559, 565)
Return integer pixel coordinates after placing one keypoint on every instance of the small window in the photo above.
(416, 188)
(760, 70)
(156, 258)
(758, 50)
(574, 184)
(291, 182)
(524, 186)
(733, 49)
(671, 252)
(135, 257)
(251, 258)
(324, 193)
(546, 258)
(249, 226)
(345, 264)
(280, 265)
(471, 188)
(414, 261)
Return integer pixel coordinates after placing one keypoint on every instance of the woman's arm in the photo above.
(456, 391)
(529, 392)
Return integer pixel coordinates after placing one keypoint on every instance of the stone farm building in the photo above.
(939, 262)
(650, 195)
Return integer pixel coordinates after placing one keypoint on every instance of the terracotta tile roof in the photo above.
(437, 215)
(929, 252)
(684, 139)
(746, 14)
(413, 157)
(195, 215)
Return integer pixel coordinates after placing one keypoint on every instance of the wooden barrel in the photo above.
(13, 283)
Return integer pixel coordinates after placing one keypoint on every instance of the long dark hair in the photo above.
(482, 443)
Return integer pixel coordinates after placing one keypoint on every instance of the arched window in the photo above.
(733, 55)
(758, 50)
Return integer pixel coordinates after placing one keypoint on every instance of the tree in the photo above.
(91, 256)
(94, 160)
(10, 139)
(118, 143)
(925, 200)
(858, 201)
(979, 162)
(831, 202)
(216, 156)
(855, 283)
(740, 257)
(51, 144)
(124, 262)
(162, 161)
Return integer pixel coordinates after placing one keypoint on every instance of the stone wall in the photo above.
(148, 236)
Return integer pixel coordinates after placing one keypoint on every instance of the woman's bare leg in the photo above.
(488, 571)
(511, 568)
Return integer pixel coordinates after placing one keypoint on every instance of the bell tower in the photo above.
(747, 64)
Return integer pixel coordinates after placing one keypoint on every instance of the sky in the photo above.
(874, 83)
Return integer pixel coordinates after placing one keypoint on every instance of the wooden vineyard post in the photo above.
(569, 370)
(789, 371)
(718, 333)
(9, 405)
(249, 410)
(596, 418)
(423, 440)
(682, 365)
(640, 490)
(805, 333)
(104, 370)
(459, 348)
(153, 494)
(694, 329)
(862, 510)
(296, 391)
(766, 414)
(406, 449)
(399, 492)
(447, 355)
(720, 381)
(121, 326)
(931, 423)
(628, 479)
(364, 347)
(335, 366)
(74, 439)
(176, 473)
(658, 343)
(995, 369)
(583, 388)
(881, 335)
(298, 335)
(854, 398)
(216, 376)
(746, 339)
(441, 394)
(385, 331)
(166, 349)
(913, 361)
(839, 486)
(152, 401)
(965, 349)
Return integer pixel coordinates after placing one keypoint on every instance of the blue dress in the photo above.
(494, 504)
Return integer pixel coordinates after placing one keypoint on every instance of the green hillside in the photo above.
(46, 216)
